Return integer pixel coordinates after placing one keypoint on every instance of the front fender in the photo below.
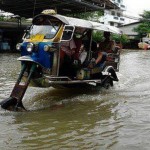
(29, 59)
(43, 60)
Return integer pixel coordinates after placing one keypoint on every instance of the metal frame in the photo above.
(30, 8)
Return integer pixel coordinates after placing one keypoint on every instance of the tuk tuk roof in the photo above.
(83, 23)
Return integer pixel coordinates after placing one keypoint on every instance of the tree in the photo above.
(93, 16)
(144, 27)
(123, 39)
(97, 36)
(120, 38)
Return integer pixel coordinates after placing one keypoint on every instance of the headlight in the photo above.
(46, 48)
(18, 46)
(30, 47)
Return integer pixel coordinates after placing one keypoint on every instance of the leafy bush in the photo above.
(144, 26)
(120, 38)
(97, 36)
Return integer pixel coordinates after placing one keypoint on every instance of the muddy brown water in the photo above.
(118, 118)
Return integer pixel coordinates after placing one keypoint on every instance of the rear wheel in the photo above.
(112, 73)
(107, 83)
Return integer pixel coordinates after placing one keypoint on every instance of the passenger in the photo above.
(66, 58)
(67, 49)
(78, 43)
(82, 54)
(106, 46)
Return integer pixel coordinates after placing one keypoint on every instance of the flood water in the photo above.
(114, 119)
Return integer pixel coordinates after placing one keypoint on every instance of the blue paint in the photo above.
(41, 57)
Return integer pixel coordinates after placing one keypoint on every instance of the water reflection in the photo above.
(78, 125)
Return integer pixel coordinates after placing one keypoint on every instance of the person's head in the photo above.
(106, 35)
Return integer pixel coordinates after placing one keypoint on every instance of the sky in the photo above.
(136, 7)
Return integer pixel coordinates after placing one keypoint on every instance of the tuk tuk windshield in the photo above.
(48, 31)
(44, 25)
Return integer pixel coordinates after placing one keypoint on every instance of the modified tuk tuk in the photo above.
(40, 57)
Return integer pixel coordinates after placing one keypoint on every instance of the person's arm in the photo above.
(99, 58)
(100, 47)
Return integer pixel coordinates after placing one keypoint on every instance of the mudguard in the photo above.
(29, 59)
(110, 69)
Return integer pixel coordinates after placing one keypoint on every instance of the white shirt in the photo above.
(82, 56)
(68, 46)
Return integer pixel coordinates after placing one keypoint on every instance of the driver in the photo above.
(105, 47)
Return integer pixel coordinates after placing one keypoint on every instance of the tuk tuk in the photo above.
(41, 63)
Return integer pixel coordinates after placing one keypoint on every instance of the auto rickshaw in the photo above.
(40, 57)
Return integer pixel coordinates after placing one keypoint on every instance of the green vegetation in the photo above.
(93, 16)
(144, 27)
(11, 19)
(2, 18)
(98, 36)
(120, 38)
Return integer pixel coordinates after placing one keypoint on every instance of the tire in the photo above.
(112, 72)
(108, 83)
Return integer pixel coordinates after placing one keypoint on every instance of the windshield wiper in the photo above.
(52, 25)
